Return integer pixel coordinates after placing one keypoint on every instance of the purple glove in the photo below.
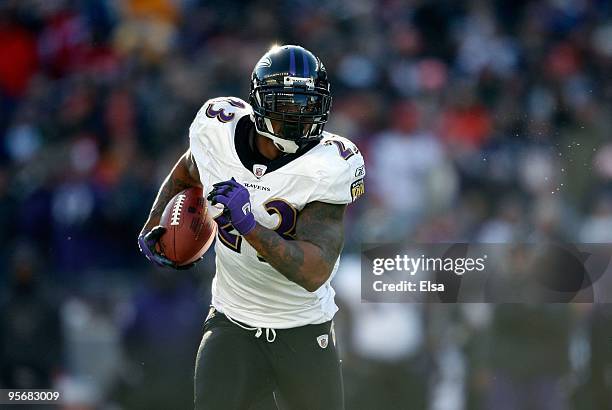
(235, 199)
(146, 244)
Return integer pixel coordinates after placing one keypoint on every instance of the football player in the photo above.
(279, 186)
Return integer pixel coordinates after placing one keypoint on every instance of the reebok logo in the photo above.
(323, 340)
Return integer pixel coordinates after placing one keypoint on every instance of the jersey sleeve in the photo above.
(197, 132)
(344, 181)
(212, 128)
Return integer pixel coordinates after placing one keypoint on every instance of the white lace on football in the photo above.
(176, 210)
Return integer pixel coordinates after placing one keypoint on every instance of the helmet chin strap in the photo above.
(284, 146)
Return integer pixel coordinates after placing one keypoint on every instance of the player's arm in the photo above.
(310, 258)
(184, 174)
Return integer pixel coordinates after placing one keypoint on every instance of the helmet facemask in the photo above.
(291, 117)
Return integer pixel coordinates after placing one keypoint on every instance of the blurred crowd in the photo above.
(480, 121)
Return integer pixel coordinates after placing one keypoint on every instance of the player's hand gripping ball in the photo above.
(147, 242)
(236, 200)
(185, 233)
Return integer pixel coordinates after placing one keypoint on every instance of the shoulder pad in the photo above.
(222, 110)
(342, 170)
(211, 131)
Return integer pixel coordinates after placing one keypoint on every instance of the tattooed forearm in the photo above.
(183, 175)
(322, 224)
(286, 256)
(308, 260)
(170, 187)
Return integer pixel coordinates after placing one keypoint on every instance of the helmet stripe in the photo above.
(306, 68)
(291, 61)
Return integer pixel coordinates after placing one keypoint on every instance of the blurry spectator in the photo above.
(528, 358)
(382, 365)
(550, 221)
(506, 226)
(30, 331)
(406, 168)
(18, 56)
(93, 353)
(466, 125)
(603, 162)
(162, 340)
(599, 382)
(598, 227)
(148, 28)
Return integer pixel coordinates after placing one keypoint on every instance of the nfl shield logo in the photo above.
(322, 341)
(259, 170)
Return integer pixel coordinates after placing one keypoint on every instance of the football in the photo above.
(189, 229)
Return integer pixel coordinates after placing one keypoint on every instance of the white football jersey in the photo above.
(245, 287)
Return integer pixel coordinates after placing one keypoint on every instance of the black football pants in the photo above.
(298, 370)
